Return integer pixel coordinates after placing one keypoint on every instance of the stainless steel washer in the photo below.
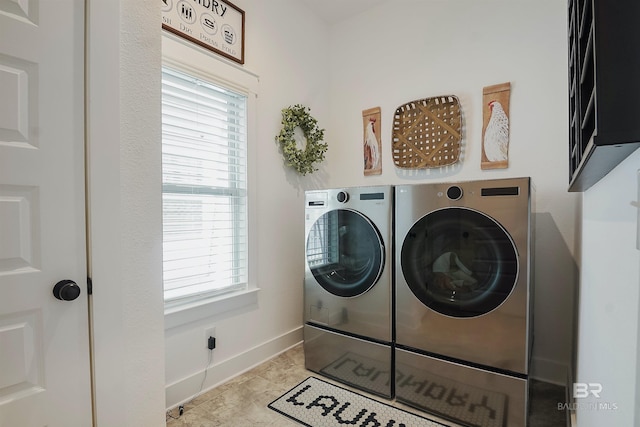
(463, 299)
(347, 286)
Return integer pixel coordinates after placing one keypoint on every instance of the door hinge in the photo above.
(89, 286)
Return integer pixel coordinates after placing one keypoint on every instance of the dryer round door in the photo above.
(345, 252)
(459, 262)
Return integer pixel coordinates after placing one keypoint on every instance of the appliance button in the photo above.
(343, 197)
(454, 192)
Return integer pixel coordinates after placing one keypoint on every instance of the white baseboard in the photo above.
(549, 371)
(182, 391)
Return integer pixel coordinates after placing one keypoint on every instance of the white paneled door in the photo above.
(44, 341)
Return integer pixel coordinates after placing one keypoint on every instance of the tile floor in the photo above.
(243, 400)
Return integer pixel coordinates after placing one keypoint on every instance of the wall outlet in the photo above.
(209, 332)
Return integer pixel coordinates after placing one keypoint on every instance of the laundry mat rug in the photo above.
(317, 403)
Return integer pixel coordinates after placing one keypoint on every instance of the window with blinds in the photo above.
(204, 187)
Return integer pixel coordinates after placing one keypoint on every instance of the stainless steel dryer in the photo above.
(348, 286)
(463, 299)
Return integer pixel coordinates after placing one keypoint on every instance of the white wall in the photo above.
(608, 350)
(124, 211)
(287, 47)
(396, 52)
(405, 50)
(454, 49)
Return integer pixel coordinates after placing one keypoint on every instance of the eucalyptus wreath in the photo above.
(302, 160)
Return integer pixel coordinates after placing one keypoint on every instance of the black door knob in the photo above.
(66, 290)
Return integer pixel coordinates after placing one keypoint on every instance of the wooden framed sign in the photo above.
(213, 24)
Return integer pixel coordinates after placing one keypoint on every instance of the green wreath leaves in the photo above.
(301, 160)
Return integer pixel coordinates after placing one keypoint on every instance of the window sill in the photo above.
(191, 312)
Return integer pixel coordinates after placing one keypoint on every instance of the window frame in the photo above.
(185, 57)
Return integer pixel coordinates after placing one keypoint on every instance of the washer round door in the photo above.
(459, 262)
(345, 252)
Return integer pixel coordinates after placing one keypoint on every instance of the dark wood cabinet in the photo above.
(604, 87)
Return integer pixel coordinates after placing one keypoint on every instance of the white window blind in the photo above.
(204, 187)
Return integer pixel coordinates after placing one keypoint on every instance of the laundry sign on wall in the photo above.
(213, 24)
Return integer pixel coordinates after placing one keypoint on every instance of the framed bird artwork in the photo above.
(495, 129)
(372, 145)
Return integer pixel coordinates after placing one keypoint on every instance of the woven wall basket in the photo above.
(427, 133)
